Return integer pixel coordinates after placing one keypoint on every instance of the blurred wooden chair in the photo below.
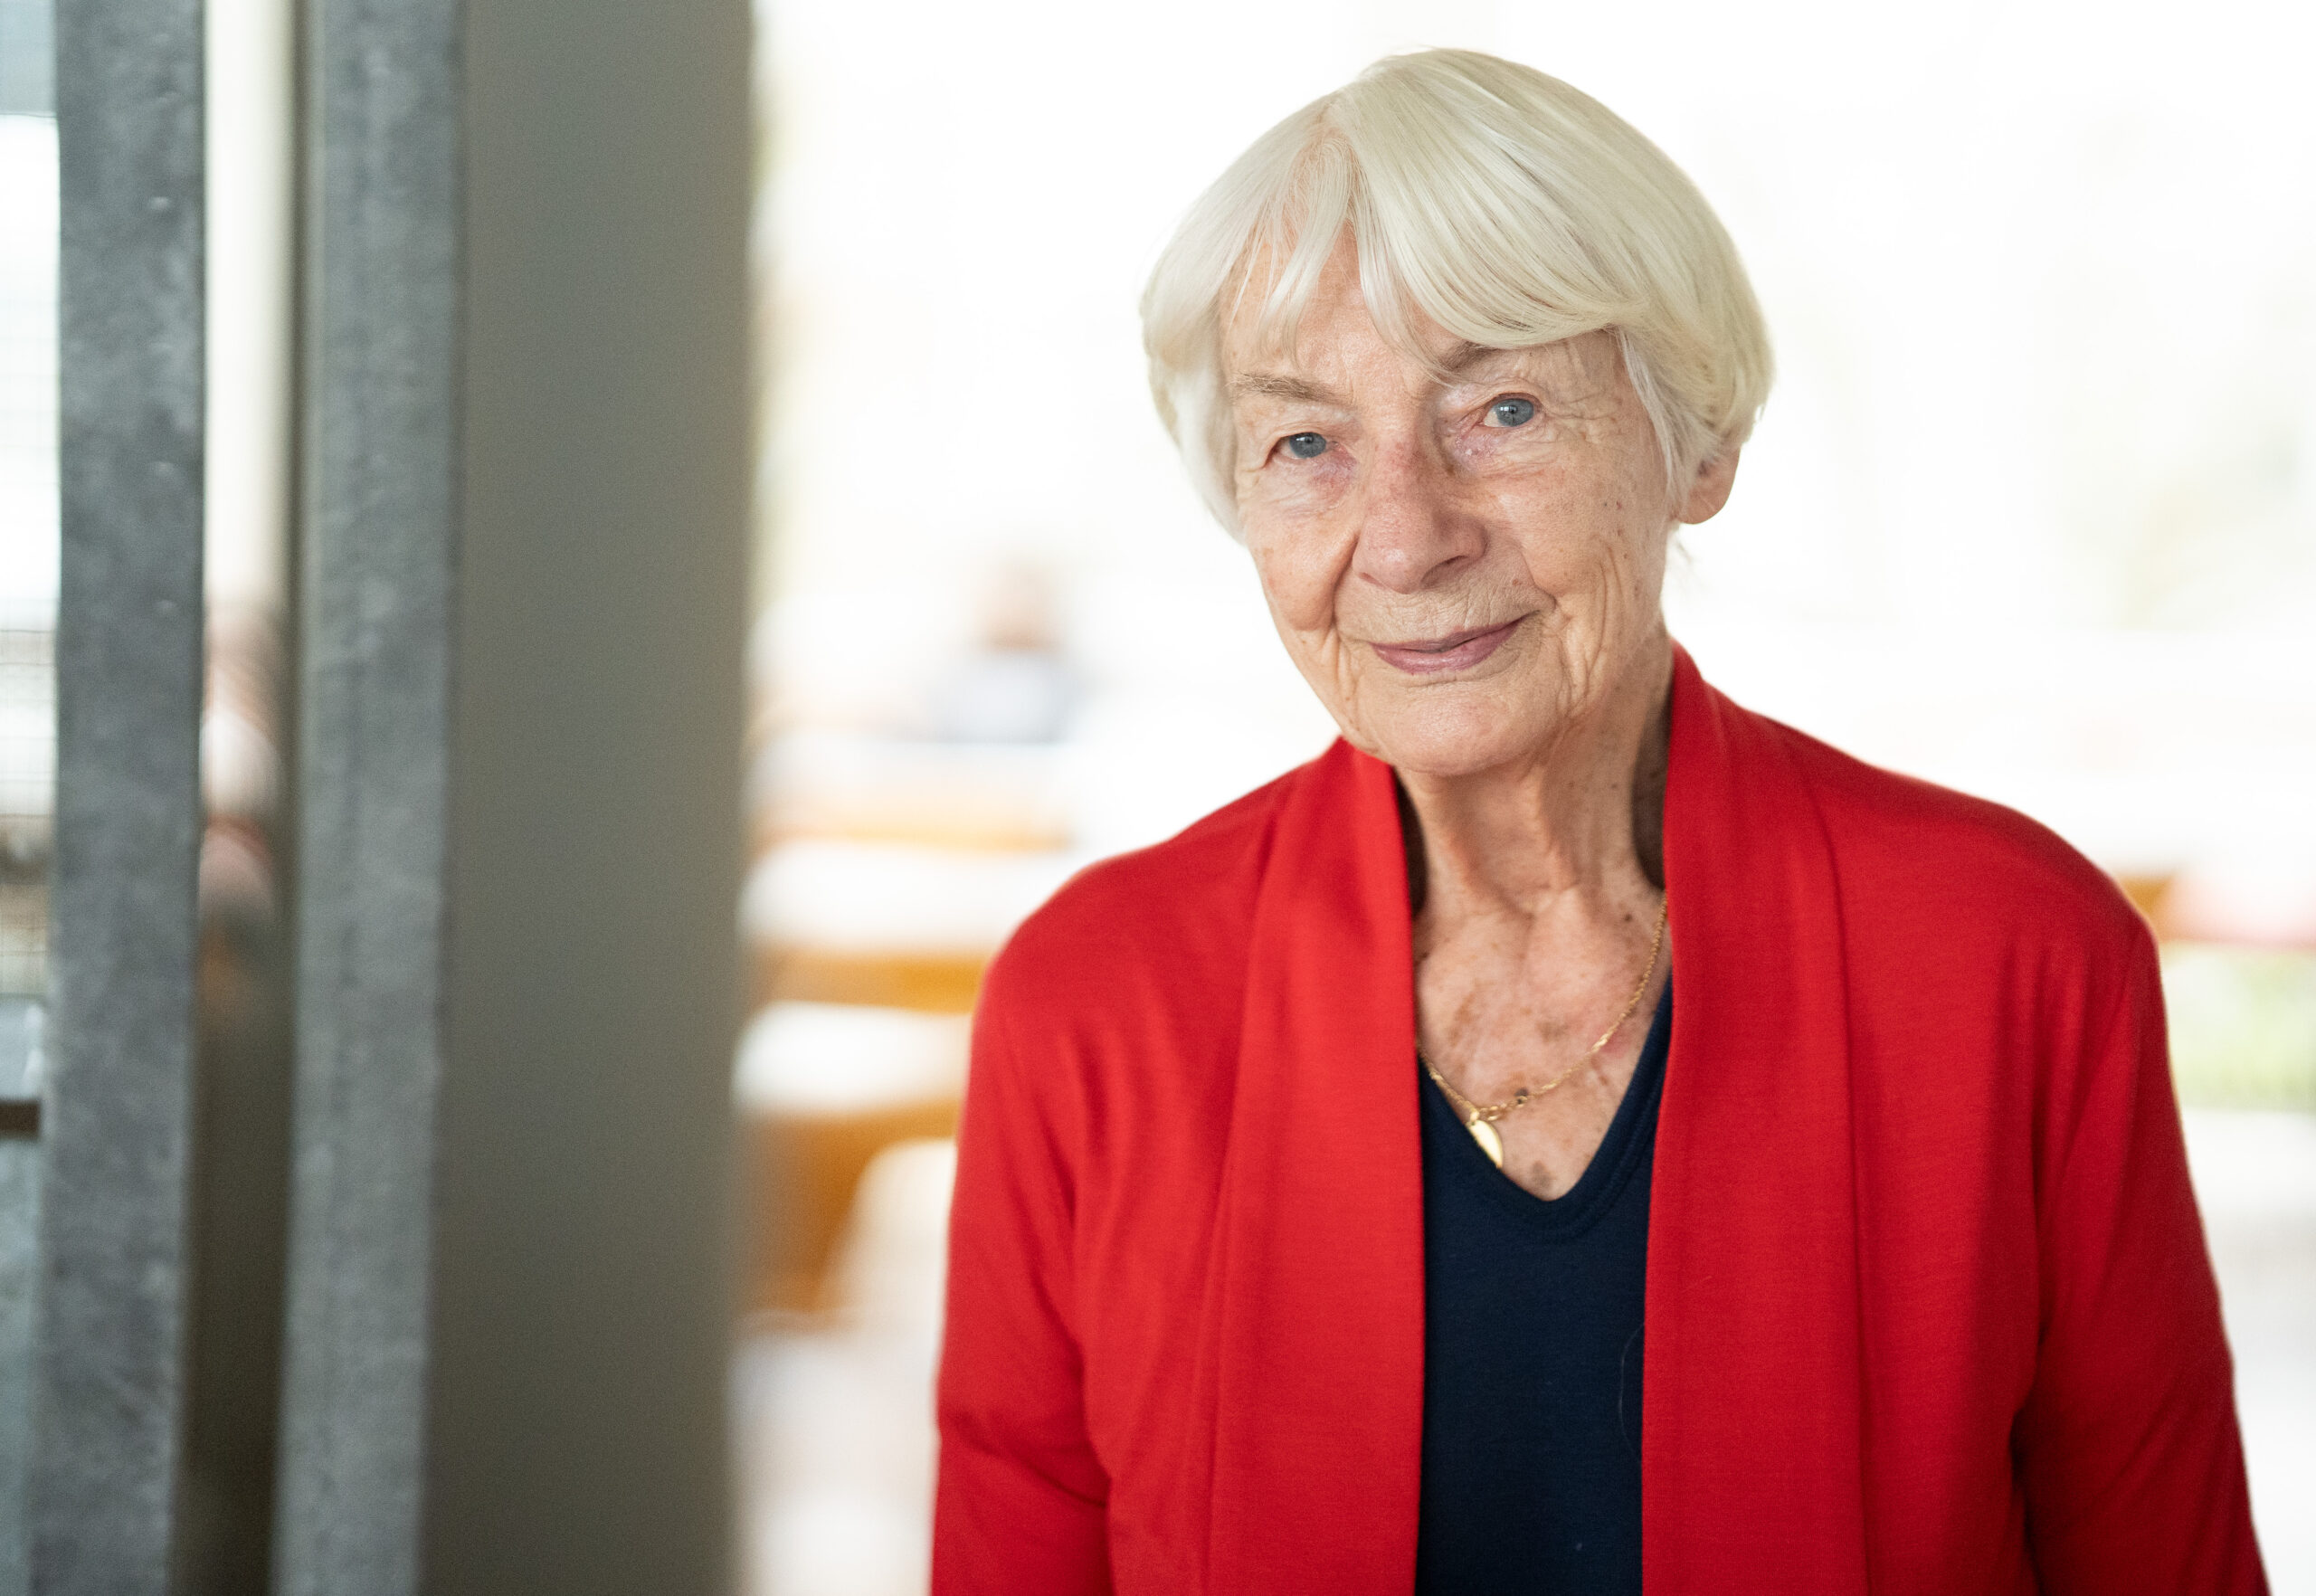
(888, 1271)
(891, 870)
(822, 1089)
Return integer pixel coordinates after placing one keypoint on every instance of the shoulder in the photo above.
(1918, 851)
(1173, 915)
(1917, 868)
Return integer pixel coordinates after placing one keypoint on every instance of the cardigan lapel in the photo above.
(1311, 1367)
(1752, 1420)
(1314, 1357)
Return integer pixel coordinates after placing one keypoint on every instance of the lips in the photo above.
(1458, 650)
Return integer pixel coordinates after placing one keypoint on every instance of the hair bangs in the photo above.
(1294, 239)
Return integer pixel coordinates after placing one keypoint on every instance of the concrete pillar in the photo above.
(526, 458)
(108, 1387)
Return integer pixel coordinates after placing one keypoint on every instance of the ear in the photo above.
(1709, 489)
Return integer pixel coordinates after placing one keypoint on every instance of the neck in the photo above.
(1581, 813)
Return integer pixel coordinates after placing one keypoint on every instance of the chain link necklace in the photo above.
(1479, 1118)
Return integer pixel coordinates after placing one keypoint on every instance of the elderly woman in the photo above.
(1330, 1172)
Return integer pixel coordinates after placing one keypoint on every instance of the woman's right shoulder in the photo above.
(1167, 923)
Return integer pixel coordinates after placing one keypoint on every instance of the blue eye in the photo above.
(1306, 445)
(1512, 413)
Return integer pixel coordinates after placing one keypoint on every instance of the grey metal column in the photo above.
(21, 1069)
(107, 1392)
(525, 525)
(381, 448)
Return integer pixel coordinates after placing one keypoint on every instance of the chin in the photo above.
(1443, 741)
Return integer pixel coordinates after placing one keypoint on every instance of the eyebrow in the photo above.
(1456, 360)
(1465, 355)
(1277, 386)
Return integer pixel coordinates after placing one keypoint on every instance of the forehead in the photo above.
(1272, 327)
(1284, 345)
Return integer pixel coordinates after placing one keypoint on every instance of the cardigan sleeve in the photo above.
(1020, 1504)
(2127, 1445)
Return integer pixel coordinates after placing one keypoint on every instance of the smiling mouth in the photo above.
(1458, 650)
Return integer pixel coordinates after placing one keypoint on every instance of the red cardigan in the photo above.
(1929, 1307)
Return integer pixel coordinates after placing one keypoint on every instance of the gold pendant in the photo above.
(1490, 1142)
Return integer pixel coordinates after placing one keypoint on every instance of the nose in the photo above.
(1414, 528)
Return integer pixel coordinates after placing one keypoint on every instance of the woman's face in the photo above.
(1463, 569)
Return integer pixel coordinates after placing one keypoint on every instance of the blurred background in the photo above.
(2032, 512)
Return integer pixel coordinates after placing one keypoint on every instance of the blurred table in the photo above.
(898, 924)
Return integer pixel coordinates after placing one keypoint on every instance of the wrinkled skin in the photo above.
(1467, 571)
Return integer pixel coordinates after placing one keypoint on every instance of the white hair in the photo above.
(1506, 206)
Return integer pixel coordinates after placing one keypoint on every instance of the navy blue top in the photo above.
(1532, 1359)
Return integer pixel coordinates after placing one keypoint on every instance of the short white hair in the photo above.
(1508, 207)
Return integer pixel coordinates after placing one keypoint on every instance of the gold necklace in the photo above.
(1479, 1118)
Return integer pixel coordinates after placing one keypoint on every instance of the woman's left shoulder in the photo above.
(1914, 847)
